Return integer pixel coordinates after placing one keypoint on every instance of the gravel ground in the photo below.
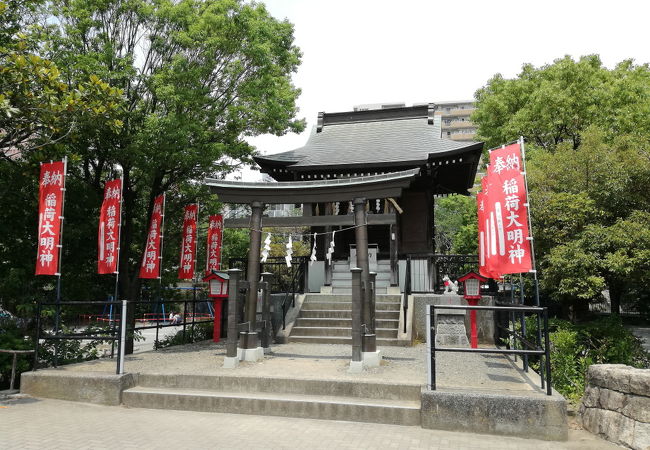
(402, 365)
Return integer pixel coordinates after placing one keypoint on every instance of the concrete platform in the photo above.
(312, 380)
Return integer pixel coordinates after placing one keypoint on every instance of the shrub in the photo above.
(574, 347)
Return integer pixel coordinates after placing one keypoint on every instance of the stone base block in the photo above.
(230, 362)
(538, 417)
(371, 359)
(326, 289)
(250, 354)
(356, 367)
(88, 387)
(393, 290)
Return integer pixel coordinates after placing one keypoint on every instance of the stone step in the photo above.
(343, 313)
(302, 386)
(379, 306)
(327, 407)
(342, 322)
(347, 283)
(339, 331)
(348, 297)
(343, 276)
(381, 342)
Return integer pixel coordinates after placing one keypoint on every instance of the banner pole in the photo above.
(58, 274)
(194, 277)
(160, 256)
(117, 263)
(530, 223)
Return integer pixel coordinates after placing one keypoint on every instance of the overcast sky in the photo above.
(376, 51)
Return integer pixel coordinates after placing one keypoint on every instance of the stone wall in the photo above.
(616, 404)
(484, 319)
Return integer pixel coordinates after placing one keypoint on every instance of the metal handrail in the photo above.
(542, 351)
(299, 271)
(13, 364)
(113, 334)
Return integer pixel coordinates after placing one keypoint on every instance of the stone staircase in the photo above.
(327, 319)
(342, 277)
(314, 399)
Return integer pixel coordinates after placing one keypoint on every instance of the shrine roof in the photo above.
(405, 136)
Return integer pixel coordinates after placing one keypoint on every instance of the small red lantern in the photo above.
(472, 283)
(218, 282)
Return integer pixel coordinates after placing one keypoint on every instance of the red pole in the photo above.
(216, 332)
(472, 322)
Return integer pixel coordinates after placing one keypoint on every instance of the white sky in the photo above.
(378, 51)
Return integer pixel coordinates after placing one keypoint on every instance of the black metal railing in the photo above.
(527, 348)
(427, 270)
(297, 285)
(116, 328)
(283, 276)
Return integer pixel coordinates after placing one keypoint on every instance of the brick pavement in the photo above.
(55, 424)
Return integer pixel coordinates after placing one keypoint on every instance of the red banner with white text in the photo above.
(507, 246)
(214, 242)
(50, 209)
(110, 219)
(188, 243)
(152, 256)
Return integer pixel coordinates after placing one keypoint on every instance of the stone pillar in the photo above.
(249, 349)
(267, 329)
(250, 338)
(371, 357)
(231, 360)
(394, 260)
(361, 237)
(328, 265)
(356, 364)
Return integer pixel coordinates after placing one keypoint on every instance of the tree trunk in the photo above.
(615, 294)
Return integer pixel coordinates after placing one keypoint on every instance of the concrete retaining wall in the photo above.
(616, 404)
(485, 319)
(89, 387)
(539, 417)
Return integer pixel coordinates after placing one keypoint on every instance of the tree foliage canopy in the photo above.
(588, 134)
(161, 92)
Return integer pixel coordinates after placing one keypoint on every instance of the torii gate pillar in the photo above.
(249, 348)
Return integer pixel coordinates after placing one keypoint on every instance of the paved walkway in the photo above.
(404, 365)
(55, 424)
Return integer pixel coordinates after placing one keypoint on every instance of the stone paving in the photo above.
(404, 365)
(27, 423)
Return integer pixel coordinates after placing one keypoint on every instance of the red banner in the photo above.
(110, 220)
(480, 212)
(214, 241)
(188, 243)
(507, 246)
(152, 253)
(50, 210)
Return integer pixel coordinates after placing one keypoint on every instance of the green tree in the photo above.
(555, 103)
(456, 225)
(198, 76)
(587, 130)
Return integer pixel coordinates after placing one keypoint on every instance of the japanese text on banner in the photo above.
(214, 242)
(50, 207)
(508, 243)
(188, 243)
(150, 267)
(109, 228)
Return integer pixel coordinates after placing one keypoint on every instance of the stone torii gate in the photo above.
(244, 345)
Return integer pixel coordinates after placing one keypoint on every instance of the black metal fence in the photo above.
(527, 348)
(116, 331)
(284, 278)
(427, 270)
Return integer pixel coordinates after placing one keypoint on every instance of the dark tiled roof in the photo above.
(389, 137)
